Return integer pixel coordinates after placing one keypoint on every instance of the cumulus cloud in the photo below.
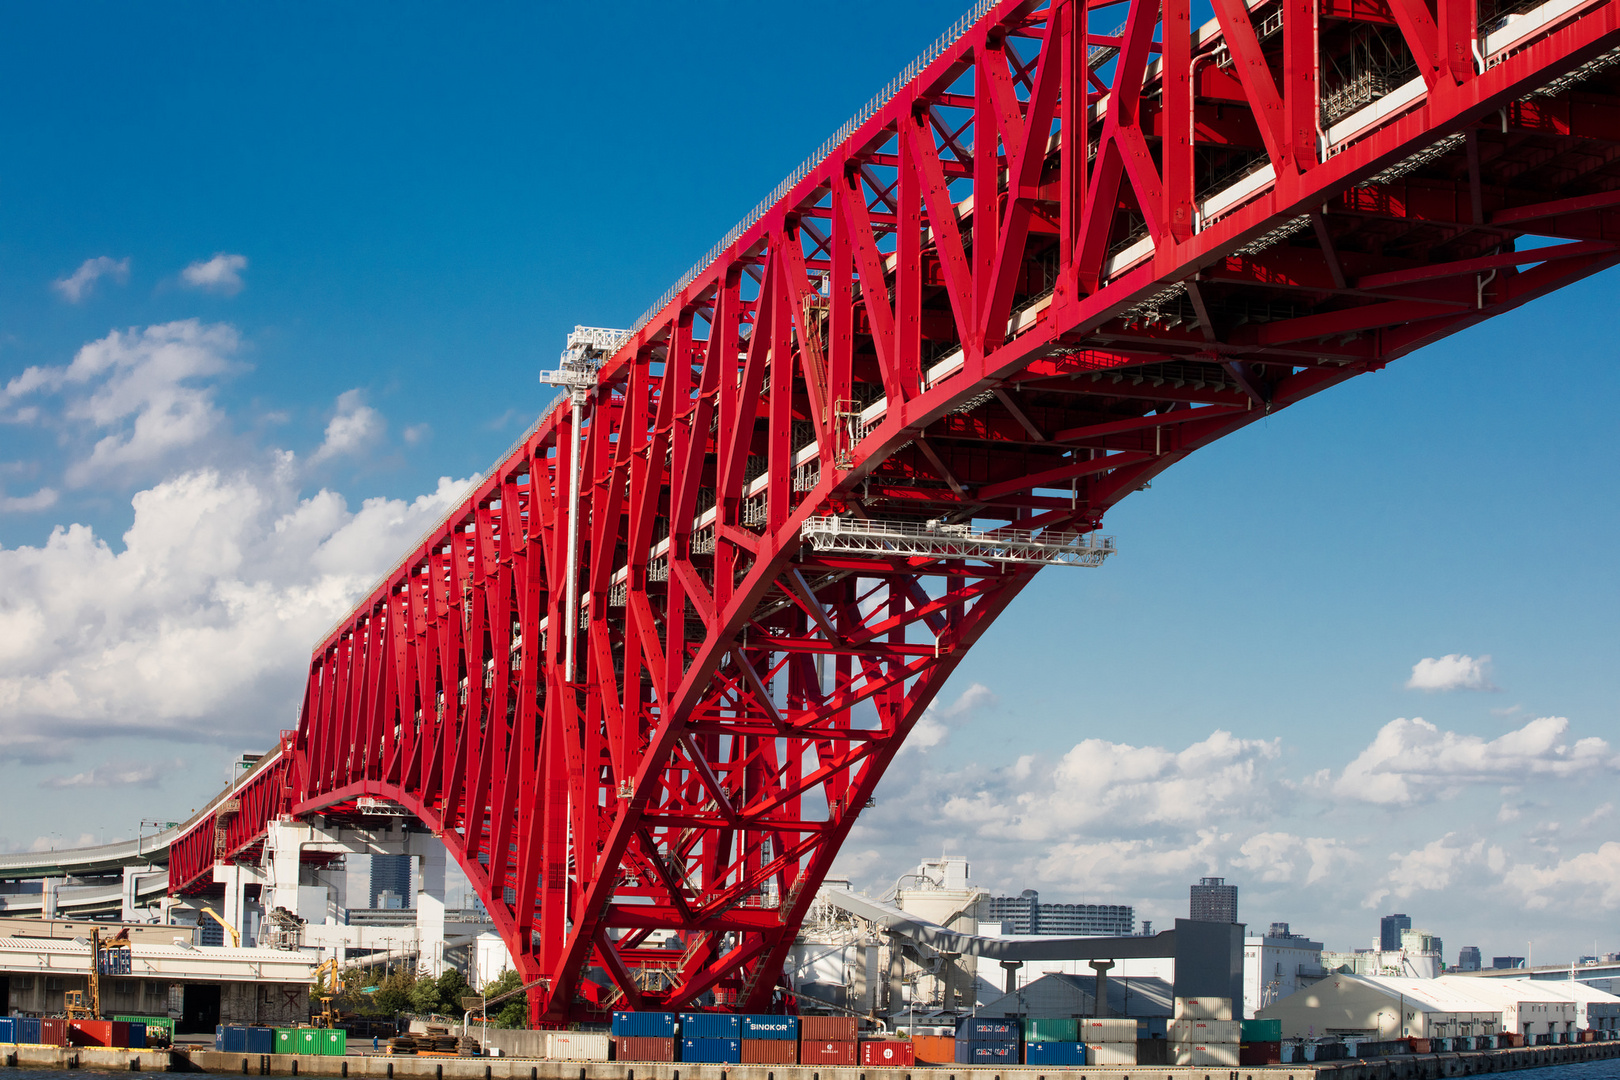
(1579, 883)
(43, 499)
(79, 284)
(936, 722)
(1453, 671)
(1436, 866)
(145, 388)
(201, 624)
(1411, 761)
(222, 274)
(1283, 858)
(113, 774)
(352, 428)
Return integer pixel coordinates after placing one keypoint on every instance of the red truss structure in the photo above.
(1074, 243)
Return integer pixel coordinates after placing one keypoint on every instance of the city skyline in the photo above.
(1356, 659)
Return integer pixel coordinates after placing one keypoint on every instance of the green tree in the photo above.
(442, 995)
(514, 1011)
(394, 993)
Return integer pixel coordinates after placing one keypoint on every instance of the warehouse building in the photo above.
(1382, 1007)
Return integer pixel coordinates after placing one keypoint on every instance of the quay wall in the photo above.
(405, 1067)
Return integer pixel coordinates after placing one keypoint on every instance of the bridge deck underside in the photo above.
(1079, 243)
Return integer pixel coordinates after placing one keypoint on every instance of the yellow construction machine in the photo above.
(110, 957)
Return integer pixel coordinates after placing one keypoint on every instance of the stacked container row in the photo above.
(643, 1036)
(1203, 1032)
(985, 1040)
(1262, 1043)
(828, 1040)
(1110, 1040)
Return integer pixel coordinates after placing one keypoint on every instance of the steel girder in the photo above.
(1050, 264)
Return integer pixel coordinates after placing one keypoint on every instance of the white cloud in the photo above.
(201, 626)
(79, 284)
(1435, 867)
(1283, 858)
(221, 274)
(1453, 671)
(1579, 883)
(113, 774)
(43, 499)
(1410, 761)
(936, 722)
(354, 427)
(417, 433)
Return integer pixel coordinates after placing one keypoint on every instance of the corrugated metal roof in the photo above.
(1062, 994)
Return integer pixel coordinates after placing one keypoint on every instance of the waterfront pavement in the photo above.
(385, 1067)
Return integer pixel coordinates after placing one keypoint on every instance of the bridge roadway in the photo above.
(645, 677)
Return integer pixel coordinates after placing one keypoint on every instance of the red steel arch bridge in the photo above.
(643, 679)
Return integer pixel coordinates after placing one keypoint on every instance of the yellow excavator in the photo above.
(236, 938)
(328, 1016)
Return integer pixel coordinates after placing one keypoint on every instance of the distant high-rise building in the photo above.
(1389, 931)
(1213, 900)
(391, 874)
(1500, 962)
(1025, 914)
(1469, 959)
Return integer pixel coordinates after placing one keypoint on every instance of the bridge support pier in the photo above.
(429, 901)
(235, 878)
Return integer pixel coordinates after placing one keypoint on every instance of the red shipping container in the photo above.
(53, 1032)
(1260, 1053)
(643, 1048)
(882, 1052)
(934, 1049)
(828, 1029)
(828, 1052)
(98, 1033)
(770, 1052)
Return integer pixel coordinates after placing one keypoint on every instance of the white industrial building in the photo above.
(1276, 965)
(1384, 1006)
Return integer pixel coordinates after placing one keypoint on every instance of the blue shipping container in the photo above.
(986, 1029)
(712, 1051)
(1054, 1053)
(644, 1025)
(770, 1027)
(261, 1040)
(711, 1026)
(981, 1052)
(8, 1030)
(26, 1029)
(231, 1038)
(137, 1035)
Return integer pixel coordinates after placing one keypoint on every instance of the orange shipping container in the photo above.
(770, 1052)
(643, 1048)
(826, 1052)
(828, 1029)
(934, 1049)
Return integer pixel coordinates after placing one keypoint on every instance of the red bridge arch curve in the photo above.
(1072, 244)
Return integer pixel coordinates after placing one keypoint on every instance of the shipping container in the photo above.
(98, 1033)
(1199, 1054)
(1262, 1030)
(770, 1027)
(1054, 1053)
(1206, 1031)
(1107, 1030)
(159, 1029)
(8, 1030)
(53, 1031)
(882, 1053)
(770, 1052)
(1203, 1008)
(261, 1040)
(26, 1029)
(828, 1029)
(231, 1038)
(984, 1052)
(1111, 1053)
(309, 1041)
(711, 1026)
(934, 1049)
(1260, 1053)
(986, 1029)
(286, 1041)
(578, 1046)
(334, 1043)
(828, 1051)
(1055, 1029)
(643, 1047)
(712, 1051)
(644, 1025)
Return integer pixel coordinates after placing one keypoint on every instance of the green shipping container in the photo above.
(334, 1043)
(286, 1041)
(1262, 1031)
(1054, 1029)
(164, 1022)
(309, 1040)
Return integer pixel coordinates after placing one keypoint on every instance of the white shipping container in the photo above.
(1205, 1031)
(1111, 1030)
(1196, 1054)
(576, 1046)
(1203, 1008)
(1111, 1053)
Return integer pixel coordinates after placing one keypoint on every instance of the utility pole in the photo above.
(588, 347)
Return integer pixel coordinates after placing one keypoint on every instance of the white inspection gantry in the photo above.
(941, 540)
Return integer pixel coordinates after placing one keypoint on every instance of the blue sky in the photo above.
(321, 254)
